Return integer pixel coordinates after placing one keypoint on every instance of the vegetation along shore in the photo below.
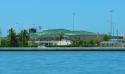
(52, 38)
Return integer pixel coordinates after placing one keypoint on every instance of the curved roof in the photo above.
(56, 32)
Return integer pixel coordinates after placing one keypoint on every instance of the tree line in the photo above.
(86, 43)
(91, 43)
(22, 39)
(15, 40)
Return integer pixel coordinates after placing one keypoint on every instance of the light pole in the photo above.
(111, 23)
(40, 28)
(22, 35)
(0, 36)
(117, 32)
(73, 20)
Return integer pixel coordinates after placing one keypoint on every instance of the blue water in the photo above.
(62, 62)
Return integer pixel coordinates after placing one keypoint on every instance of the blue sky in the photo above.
(91, 15)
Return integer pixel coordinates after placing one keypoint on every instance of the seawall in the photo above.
(66, 49)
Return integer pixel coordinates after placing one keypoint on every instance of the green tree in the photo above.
(90, 43)
(96, 42)
(11, 38)
(30, 43)
(78, 43)
(4, 43)
(105, 38)
(61, 36)
(23, 38)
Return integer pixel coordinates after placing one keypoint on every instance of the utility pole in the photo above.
(0, 36)
(34, 26)
(111, 23)
(22, 34)
(117, 31)
(40, 28)
(73, 20)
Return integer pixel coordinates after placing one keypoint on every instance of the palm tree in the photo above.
(12, 41)
(23, 38)
(61, 36)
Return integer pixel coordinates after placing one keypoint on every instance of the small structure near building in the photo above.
(64, 42)
(32, 30)
(53, 43)
(113, 43)
(108, 44)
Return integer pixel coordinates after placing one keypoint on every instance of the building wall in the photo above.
(84, 37)
(76, 37)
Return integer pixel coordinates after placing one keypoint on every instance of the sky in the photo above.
(91, 15)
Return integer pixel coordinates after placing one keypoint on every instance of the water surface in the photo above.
(62, 62)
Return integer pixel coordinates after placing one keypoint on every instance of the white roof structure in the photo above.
(62, 42)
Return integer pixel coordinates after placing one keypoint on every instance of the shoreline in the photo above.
(63, 49)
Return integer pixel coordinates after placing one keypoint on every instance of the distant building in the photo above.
(114, 42)
(109, 44)
(32, 30)
(52, 36)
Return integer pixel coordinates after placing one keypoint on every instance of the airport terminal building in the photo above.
(52, 36)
